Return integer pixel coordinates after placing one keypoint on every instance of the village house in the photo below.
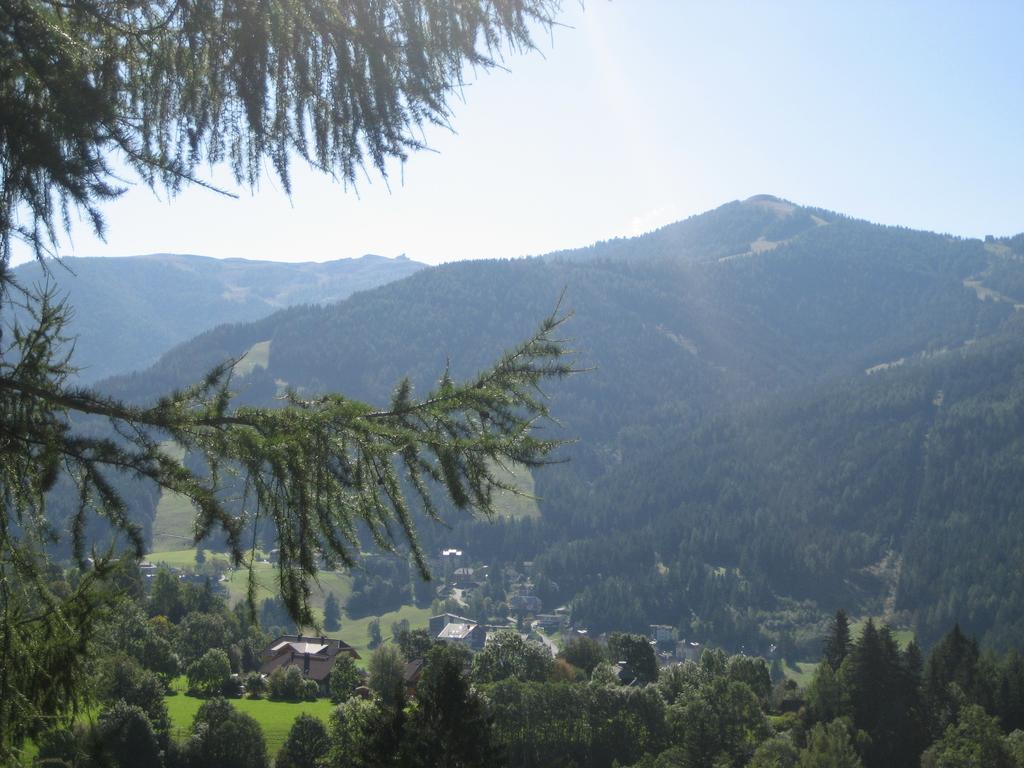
(450, 628)
(550, 622)
(662, 633)
(463, 578)
(314, 656)
(436, 623)
(472, 635)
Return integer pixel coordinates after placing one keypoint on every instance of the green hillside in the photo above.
(788, 411)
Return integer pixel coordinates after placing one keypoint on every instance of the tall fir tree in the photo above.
(949, 678)
(837, 643)
(450, 725)
(884, 701)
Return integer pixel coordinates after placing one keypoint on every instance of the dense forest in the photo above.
(175, 684)
(788, 411)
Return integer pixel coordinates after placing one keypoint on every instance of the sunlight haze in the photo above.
(638, 113)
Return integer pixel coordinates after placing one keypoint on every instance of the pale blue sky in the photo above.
(643, 112)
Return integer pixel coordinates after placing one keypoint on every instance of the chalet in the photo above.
(463, 578)
(472, 635)
(436, 623)
(314, 656)
(550, 621)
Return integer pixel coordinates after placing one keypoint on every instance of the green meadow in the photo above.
(274, 717)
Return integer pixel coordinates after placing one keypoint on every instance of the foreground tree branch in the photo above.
(160, 88)
(324, 470)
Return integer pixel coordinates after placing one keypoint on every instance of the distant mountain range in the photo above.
(129, 311)
(790, 411)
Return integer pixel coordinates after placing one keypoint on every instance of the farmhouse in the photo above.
(314, 656)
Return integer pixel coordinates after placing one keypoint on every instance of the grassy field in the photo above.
(356, 632)
(802, 672)
(266, 586)
(258, 356)
(516, 505)
(183, 558)
(903, 636)
(274, 717)
(172, 524)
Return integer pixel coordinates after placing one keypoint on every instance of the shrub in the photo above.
(310, 690)
(255, 685)
(286, 684)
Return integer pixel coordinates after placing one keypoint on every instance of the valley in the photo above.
(707, 376)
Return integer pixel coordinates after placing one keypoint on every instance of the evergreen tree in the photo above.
(449, 725)
(949, 678)
(837, 644)
(885, 698)
(336, 87)
(332, 613)
(165, 596)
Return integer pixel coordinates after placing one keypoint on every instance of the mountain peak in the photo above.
(778, 205)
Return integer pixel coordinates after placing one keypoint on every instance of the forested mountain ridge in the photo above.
(130, 310)
(754, 225)
(901, 491)
(759, 441)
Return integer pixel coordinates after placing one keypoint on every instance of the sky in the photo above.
(638, 113)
